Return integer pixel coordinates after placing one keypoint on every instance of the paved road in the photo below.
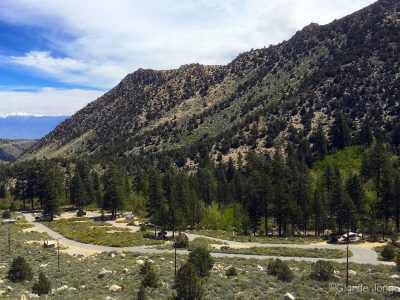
(361, 255)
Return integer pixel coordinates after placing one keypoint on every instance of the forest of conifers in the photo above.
(304, 191)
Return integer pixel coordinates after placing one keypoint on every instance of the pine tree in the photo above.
(365, 135)
(188, 283)
(113, 190)
(77, 192)
(42, 286)
(280, 191)
(157, 207)
(19, 270)
(340, 132)
(320, 146)
(50, 189)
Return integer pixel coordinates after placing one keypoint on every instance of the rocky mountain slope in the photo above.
(260, 100)
(10, 150)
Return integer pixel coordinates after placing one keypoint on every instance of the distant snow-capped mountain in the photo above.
(27, 127)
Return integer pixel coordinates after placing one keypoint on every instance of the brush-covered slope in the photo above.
(350, 65)
(10, 150)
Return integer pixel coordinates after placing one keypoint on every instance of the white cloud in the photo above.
(46, 101)
(113, 38)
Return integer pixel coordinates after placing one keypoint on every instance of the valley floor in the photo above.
(79, 276)
(362, 253)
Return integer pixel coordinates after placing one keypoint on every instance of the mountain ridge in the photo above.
(255, 102)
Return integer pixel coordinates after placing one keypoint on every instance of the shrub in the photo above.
(388, 252)
(181, 241)
(81, 213)
(188, 283)
(141, 295)
(42, 286)
(394, 239)
(145, 268)
(323, 271)
(13, 207)
(6, 214)
(20, 270)
(231, 272)
(281, 270)
(201, 260)
(150, 279)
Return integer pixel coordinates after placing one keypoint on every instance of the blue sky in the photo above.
(58, 55)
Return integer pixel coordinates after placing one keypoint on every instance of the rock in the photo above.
(109, 298)
(62, 288)
(44, 265)
(395, 276)
(336, 272)
(337, 276)
(23, 297)
(112, 255)
(125, 270)
(260, 268)
(352, 273)
(2, 292)
(288, 296)
(369, 271)
(104, 273)
(140, 262)
(150, 261)
(9, 288)
(33, 296)
(162, 258)
(115, 288)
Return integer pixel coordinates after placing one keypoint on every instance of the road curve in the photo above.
(361, 255)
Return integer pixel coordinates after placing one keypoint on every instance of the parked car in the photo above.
(352, 236)
(43, 218)
(8, 221)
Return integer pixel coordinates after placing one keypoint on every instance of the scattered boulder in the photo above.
(62, 288)
(109, 298)
(125, 270)
(104, 273)
(9, 288)
(140, 262)
(352, 273)
(23, 297)
(288, 296)
(150, 261)
(33, 296)
(115, 288)
(395, 276)
(260, 268)
(112, 255)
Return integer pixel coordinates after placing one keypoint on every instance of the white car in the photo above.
(352, 236)
(8, 221)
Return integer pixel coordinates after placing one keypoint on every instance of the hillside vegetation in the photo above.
(262, 100)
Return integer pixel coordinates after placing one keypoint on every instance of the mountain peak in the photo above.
(261, 100)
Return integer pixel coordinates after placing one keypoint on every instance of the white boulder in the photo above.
(288, 296)
(115, 288)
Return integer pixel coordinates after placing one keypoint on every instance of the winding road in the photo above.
(361, 253)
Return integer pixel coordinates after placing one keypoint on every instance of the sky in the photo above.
(58, 55)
